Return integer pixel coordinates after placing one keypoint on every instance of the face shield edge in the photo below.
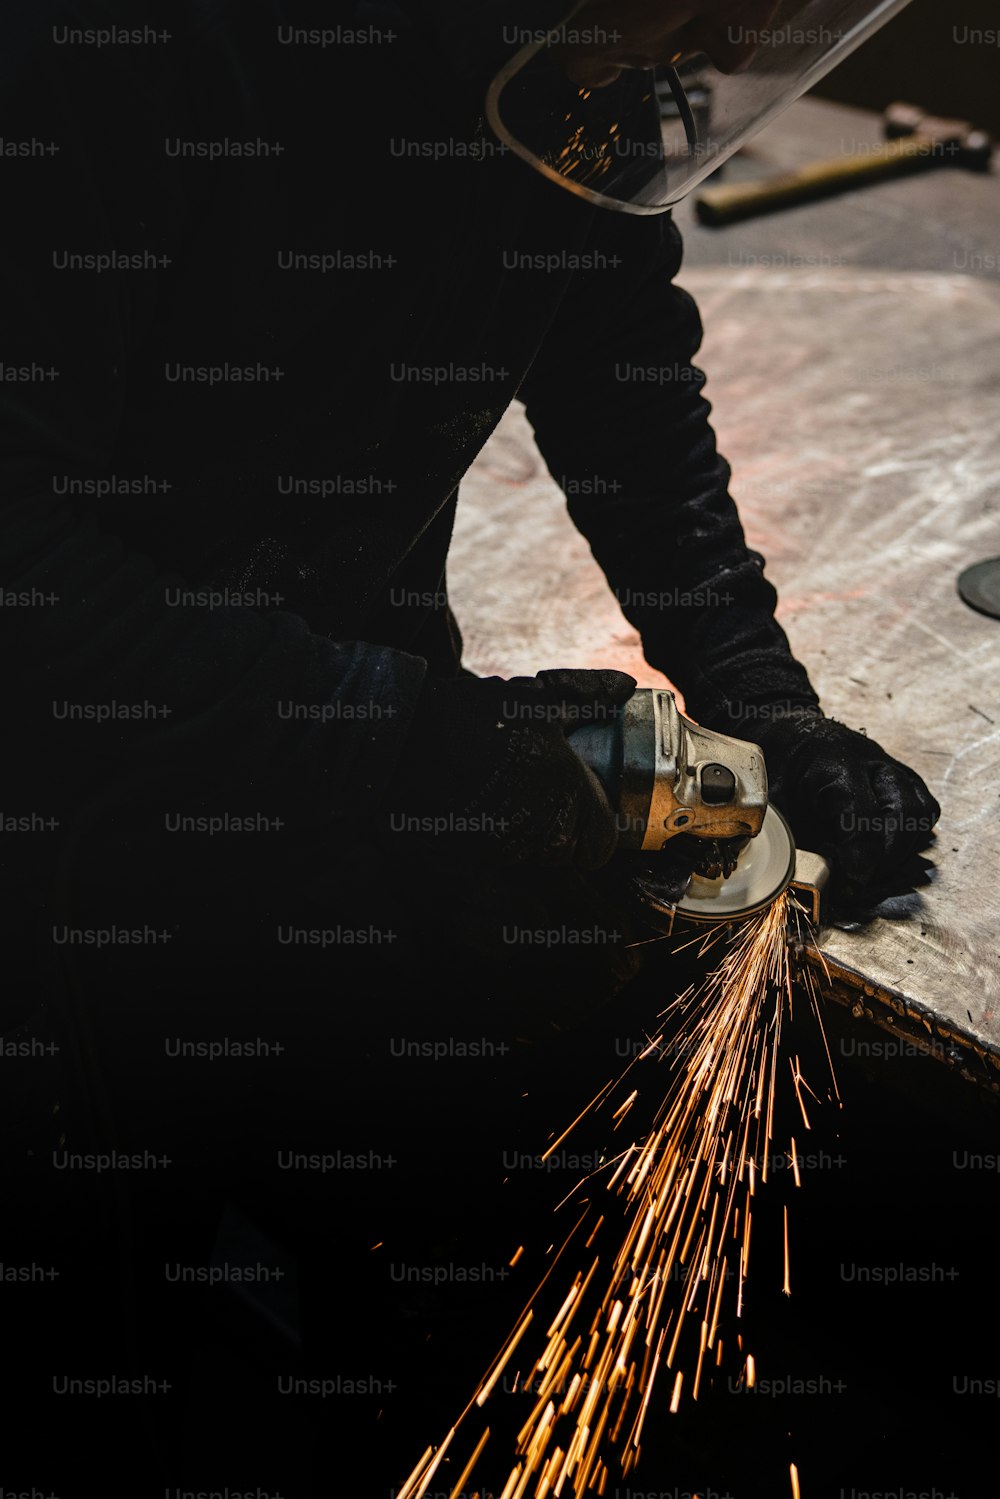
(864, 27)
(513, 66)
(518, 61)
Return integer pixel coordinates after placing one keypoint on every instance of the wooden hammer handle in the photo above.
(726, 204)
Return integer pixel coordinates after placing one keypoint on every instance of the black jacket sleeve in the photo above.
(621, 420)
(106, 671)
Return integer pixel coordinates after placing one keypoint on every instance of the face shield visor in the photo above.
(631, 103)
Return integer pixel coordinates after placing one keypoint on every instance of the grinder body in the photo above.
(666, 775)
(696, 803)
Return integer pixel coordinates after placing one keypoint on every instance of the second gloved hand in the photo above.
(844, 796)
(489, 775)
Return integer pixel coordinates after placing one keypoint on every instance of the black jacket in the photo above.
(229, 465)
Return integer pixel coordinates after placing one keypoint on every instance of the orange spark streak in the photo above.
(787, 1285)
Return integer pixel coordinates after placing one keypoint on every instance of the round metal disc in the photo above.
(765, 867)
(979, 587)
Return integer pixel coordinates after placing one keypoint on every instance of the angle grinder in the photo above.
(697, 836)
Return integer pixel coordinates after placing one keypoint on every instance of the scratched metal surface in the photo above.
(858, 408)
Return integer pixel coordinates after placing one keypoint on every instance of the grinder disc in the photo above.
(765, 868)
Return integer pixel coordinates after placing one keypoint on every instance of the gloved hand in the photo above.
(488, 773)
(843, 795)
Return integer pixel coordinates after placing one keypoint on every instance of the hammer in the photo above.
(914, 140)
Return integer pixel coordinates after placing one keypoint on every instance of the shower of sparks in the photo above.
(645, 1310)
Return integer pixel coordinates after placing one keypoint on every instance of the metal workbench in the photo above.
(853, 354)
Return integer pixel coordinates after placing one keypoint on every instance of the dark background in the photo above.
(918, 58)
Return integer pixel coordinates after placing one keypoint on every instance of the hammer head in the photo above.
(953, 140)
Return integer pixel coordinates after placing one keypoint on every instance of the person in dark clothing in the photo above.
(259, 320)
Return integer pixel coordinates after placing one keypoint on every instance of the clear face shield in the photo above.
(631, 103)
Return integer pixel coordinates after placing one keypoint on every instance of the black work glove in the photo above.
(844, 796)
(487, 772)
